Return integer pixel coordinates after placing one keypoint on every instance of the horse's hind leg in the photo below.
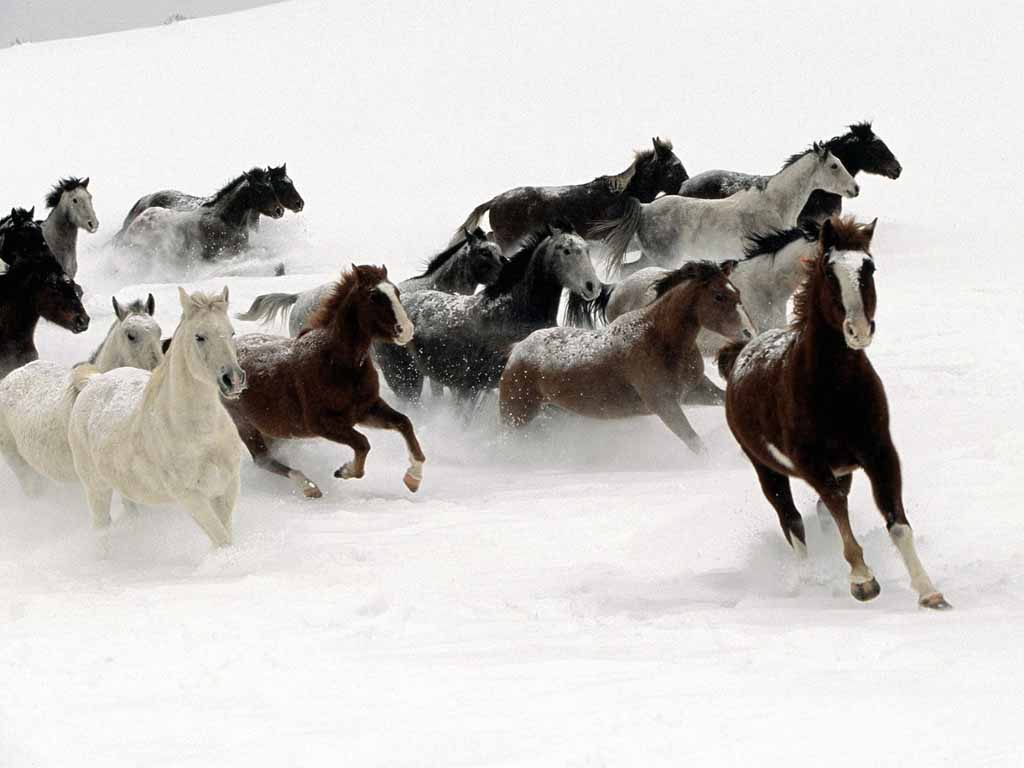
(260, 452)
(99, 504)
(863, 584)
(887, 486)
(777, 490)
(825, 521)
(519, 401)
(383, 416)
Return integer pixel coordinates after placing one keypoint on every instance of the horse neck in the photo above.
(674, 321)
(348, 341)
(789, 189)
(453, 276)
(849, 155)
(60, 232)
(18, 318)
(236, 205)
(179, 398)
(822, 348)
(643, 185)
(536, 296)
(106, 357)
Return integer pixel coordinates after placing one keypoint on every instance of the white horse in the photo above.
(675, 229)
(71, 204)
(36, 399)
(165, 437)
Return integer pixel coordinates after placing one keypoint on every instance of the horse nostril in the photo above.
(872, 327)
(590, 286)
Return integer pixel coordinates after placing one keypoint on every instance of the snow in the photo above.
(591, 594)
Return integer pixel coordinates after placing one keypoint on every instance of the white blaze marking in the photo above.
(847, 266)
(780, 457)
(405, 325)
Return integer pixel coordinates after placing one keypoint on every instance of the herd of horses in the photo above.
(716, 261)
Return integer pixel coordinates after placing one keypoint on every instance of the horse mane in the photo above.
(13, 279)
(350, 282)
(58, 189)
(259, 173)
(848, 235)
(817, 147)
(514, 270)
(701, 271)
(16, 217)
(774, 240)
(444, 256)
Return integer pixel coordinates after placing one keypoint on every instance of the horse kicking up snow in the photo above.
(323, 383)
(33, 286)
(219, 227)
(859, 149)
(474, 260)
(806, 402)
(463, 342)
(71, 205)
(524, 210)
(674, 229)
(284, 189)
(645, 362)
(164, 436)
(36, 399)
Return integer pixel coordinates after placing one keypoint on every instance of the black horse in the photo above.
(526, 210)
(284, 189)
(33, 286)
(859, 149)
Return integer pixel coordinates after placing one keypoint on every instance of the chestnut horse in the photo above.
(645, 362)
(806, 402)
(323, 383)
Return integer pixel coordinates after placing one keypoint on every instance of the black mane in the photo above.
(514, 270)
(701, 271)
(58, 189)
(774, 240)
(442, 258)
(260, 174)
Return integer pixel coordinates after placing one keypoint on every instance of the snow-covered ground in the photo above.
(592, 594)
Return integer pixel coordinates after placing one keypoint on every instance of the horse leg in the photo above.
(131, 509)
(224, 505)
(883, 470)
(260, 452)
(519, 402)
(777, 490)
(32, 483)
(99, 504)
(706, 392)
(383, 416)
(203, 513)
(863, 584)
(436, 389)
(347, 435)
(825, 521)
(667, 409)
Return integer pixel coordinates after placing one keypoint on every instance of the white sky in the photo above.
(37, 20)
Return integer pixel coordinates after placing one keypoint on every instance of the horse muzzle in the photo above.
(80, 323)
(231, 383)
(858, 333)
(92, 226)
(854, 190)
(895, 171)
(403, 334)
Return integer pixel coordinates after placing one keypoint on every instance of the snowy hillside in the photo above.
(592, 595)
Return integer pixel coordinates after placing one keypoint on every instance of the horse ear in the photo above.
(284, 168)
(184, 298)
(32, 212)
(150, 305)
(85, 183)
(224, 295)
(869, 230)
(827, 237)
(728, 266)
(118, 309)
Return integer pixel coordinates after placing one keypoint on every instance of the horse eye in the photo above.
(74, 200)
(720, 297)
(131, 337)
(835, 167)
(200, 338)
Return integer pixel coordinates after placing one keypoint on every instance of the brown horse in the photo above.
(323, 383)
(645, 362)
(806, 402)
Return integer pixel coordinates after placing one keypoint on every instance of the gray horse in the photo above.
(71, 210)
(474, 260)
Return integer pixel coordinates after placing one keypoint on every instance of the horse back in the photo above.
(712, 185)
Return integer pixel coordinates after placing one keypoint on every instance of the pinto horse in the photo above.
(324, 383)
(645, 362)
(518, 212)
(859, 149)
(806, 402)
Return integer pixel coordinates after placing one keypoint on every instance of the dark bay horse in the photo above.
(806, 402)
(35, 286)
(859, 149)
(21, 235)
(524, 210)
(324, 383)
(219, 227)
(284, 189)
(645, 362)
(463, 342)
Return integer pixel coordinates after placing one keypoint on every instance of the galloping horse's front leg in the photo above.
(863, 584)
(383, 416)
(667, 409)
(883, 469)
(203, 513)
(344, 433)
(706, 392)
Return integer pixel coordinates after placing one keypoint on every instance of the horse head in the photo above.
(842, 283)
(568, 258)
(831, 175)
(262, 194)
(285, 189)
(73, 197)
(207, 340)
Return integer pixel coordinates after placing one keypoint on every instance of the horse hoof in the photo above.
(869, 590)
(935, 601)
(412, 482)
(345, 472)
(312, 492)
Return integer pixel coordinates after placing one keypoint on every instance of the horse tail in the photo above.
(471, 222)
(727, 358)
(82, 374)
(269, 307)
(618, 233)
(581, 313)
